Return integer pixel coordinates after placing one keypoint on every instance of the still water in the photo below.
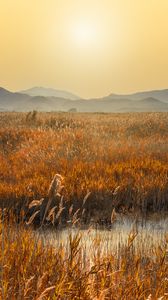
(149, 232)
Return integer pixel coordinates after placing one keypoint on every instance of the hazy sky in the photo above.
(89, 47)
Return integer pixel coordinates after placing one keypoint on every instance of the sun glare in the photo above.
(84, 34)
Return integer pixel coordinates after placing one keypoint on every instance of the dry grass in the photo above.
(109, 164)
(32, 270)
(94, 153)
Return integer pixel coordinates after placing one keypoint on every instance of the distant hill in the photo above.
(4, 92)
(10, 101)
(121, 105)
(49, 92)
(161, 95)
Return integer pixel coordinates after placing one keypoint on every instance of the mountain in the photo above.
(10, 101)
(4, 92)
(161, 95)
(49, 92)
(121, 105)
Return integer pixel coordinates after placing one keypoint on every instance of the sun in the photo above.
(84, 34)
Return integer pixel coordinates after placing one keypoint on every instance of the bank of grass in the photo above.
(95, 153)
(31, 269)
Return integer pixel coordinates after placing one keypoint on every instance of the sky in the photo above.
(89, 47)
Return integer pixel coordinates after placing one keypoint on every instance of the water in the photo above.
(150, 233)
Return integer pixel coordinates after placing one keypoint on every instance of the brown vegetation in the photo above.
(95, 153)
(108, 164)
(32, 270)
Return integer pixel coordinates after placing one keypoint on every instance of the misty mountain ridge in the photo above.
(49, 92)
(161, 95)
(138, 102)
(4, 92)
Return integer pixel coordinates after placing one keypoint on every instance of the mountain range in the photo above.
(46, 99)
(49, 92)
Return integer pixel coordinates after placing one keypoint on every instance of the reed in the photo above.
(110, 165)
(31, 269)
(107, 160)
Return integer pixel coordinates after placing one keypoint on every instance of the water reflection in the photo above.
(151, 232)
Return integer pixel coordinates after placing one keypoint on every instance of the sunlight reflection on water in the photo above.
(151, 232)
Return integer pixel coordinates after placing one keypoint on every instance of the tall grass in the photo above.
(109, 165)
(32, 269)
(95, 153)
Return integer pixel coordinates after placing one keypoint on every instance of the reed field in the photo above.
(94, 153)
(32, 270)
(69, 171)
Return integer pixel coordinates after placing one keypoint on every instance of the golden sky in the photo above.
(89, 47)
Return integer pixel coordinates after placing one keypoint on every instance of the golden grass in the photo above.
(95, 153)
(32, 270)
(109, 164)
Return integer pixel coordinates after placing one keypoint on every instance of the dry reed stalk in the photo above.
(51, 215)
(61, 209)
(42, 281)
(70, 210)
(113, 216)
(48, 292)
(74, 218)
(31, 219)
(83, 211)
(55, 187)
(28, 286)
(59, 213)
(116, 190)
(35, 203)
(86, 198)
(131, 237)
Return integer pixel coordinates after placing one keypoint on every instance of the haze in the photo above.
(91, 48)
